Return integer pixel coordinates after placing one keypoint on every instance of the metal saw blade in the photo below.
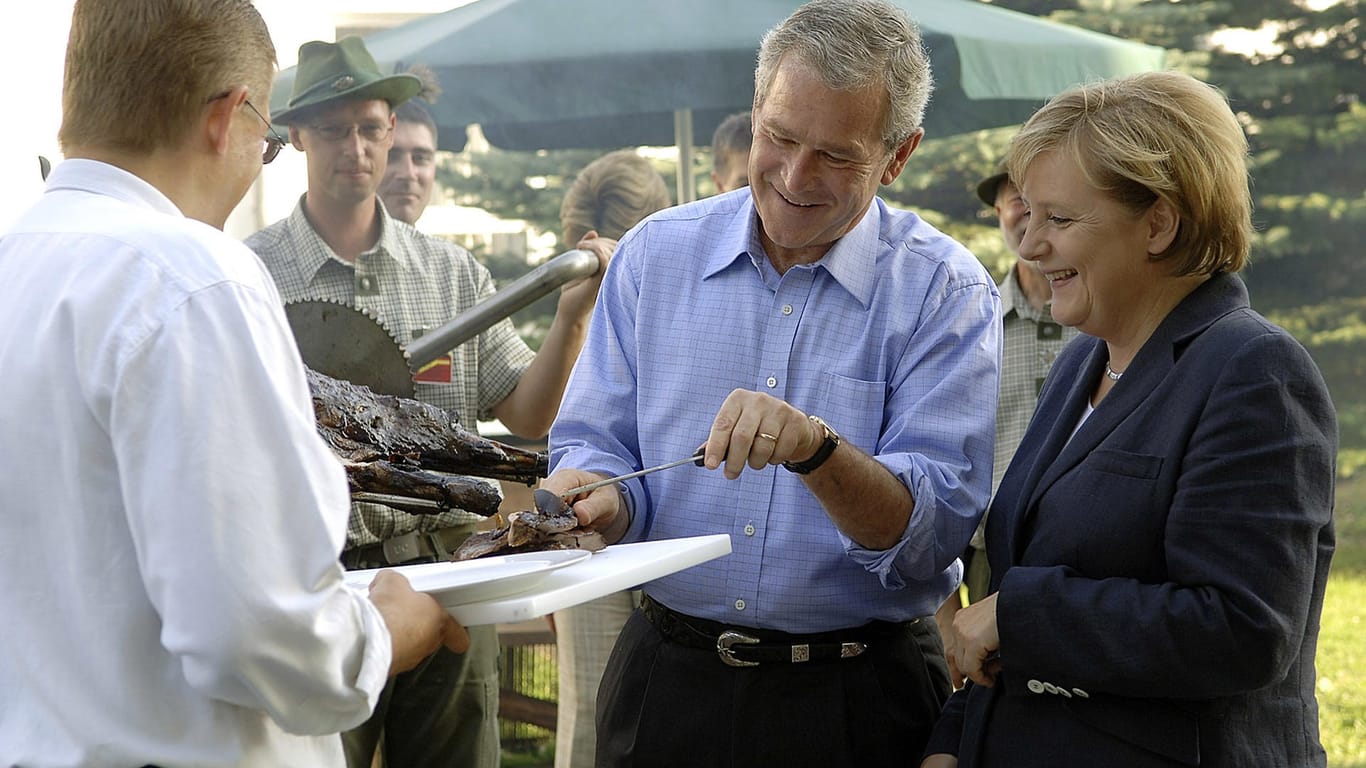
(347, 343)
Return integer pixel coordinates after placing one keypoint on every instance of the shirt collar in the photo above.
(103, 178)
(310, 260)
(852, 260)
(740, 238)
(1013, 299)
(390, 243)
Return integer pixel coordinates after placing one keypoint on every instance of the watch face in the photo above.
(830, 433)
(828, 444)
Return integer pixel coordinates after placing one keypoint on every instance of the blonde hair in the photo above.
(139, 72)
(610, 195)
(854, 44)
(1156, 135)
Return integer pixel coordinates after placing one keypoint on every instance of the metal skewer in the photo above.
(696, 458)
(395, 501)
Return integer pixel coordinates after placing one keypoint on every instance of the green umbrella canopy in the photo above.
(546, 74)
(603, 74)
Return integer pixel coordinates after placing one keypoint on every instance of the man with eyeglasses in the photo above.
(341, 244)
(171, 597)
(273, 141)
(471, 680)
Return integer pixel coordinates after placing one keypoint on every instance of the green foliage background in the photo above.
(1302, 111)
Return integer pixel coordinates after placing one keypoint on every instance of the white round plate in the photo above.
(473, 581)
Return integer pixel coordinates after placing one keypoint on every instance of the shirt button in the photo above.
(367, 284)
(787, 309)
(772, 382)
(739, 605)
(749, 529)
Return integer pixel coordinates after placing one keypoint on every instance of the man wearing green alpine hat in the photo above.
(340, 244)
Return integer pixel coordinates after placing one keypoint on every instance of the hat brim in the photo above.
(394, 89)
(986, 190)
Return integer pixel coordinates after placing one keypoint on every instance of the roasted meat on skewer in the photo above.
(420, 492)
(417, 454)
(403, 447)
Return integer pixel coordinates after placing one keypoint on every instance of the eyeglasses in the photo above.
(274, 141)
(372, 133)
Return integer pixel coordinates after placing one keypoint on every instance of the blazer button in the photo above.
(1081, 694)
(1051, 688)
(1035, 686)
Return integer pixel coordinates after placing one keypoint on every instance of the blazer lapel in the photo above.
(1056, 454)
(1061, 403)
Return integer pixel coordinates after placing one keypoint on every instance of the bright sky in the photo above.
(32, 48)
(33, 42)
(1262, 40)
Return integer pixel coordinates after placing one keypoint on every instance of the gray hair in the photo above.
(853, 44)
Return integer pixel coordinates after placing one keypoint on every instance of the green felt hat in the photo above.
(344, 70)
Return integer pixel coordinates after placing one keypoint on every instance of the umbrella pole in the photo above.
(687, 185)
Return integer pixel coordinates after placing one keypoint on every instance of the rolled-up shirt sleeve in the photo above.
(940, 433)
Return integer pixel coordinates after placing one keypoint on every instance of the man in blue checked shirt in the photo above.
(839, 359)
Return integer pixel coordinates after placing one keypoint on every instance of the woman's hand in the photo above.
(973, 643)
(577, 296)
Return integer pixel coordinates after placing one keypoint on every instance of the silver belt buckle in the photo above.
(850, 650)
(730, 637)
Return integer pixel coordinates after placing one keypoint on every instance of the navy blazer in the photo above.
(1161, 572)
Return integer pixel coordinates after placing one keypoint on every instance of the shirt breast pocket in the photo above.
(854, 408)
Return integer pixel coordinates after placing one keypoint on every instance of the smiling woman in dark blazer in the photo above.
(1160, 543)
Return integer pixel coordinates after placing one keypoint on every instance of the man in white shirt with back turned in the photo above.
(172, 517)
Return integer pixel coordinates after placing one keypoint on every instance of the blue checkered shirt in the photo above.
(893, 338)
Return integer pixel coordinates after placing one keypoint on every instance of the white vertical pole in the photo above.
(687, 184)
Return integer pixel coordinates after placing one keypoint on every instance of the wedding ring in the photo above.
(767, 436)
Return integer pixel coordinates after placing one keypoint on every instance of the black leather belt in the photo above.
(749, 647)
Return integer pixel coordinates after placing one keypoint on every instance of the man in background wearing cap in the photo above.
(171, 598)
(341, 244)
(1030, 342)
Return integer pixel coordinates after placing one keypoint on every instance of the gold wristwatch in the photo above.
(832, 440)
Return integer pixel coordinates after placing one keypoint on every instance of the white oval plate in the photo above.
(473, 581)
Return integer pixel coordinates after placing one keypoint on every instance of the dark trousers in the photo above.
(663, 703)
(436, 716)
(444, 712)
